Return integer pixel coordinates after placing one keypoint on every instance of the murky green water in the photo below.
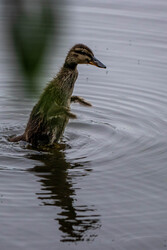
(105, 187)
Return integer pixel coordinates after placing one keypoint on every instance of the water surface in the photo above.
(105, 185)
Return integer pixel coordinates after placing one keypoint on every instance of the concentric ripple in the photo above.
(125, 121)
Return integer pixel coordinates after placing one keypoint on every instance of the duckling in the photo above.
(51, 114)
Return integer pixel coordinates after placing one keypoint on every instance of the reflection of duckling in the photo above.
(52, 112)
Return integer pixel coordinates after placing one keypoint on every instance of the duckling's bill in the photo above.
(97, 63)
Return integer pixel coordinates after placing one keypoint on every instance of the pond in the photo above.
(104, 187)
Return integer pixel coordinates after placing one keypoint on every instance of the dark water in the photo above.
(105, 186)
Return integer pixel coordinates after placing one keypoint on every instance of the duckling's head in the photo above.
(81, 54)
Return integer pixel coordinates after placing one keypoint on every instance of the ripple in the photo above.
(125, 120)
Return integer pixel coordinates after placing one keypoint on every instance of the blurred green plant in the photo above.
(31, 34)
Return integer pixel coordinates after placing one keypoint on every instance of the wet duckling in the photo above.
(51, 114)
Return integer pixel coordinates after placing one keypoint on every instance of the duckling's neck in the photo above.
(66, 78)
(70, 66)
